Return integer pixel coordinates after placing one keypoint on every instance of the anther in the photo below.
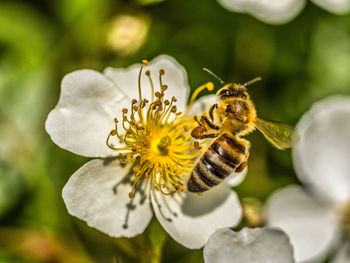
(196, 145)
(131, 195)
(173, 109)
(157, 94)
(114, 132)
(125, 111)
(134, 101)
(174, 99)
(166, 102)
(135, 108)
(164, 87)
(115, 120)
(210, 86)
(145, 62)
(148, 73)
(161, 72)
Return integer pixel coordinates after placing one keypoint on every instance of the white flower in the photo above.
(257, 245)
(156, 147)
(281, 11)
(318, 217)
(337, 7)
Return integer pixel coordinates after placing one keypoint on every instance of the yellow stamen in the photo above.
(160, 146)
(208, 85)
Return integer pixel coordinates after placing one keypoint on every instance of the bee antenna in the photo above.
(213, 75)
(252, 81)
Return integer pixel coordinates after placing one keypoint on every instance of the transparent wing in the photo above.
(279, 134)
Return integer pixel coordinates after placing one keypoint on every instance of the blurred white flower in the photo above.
(338, 7)
(156, 149)
(250, 245)
(268, 11)
(281, 11)
(127, 33)
(318, 218)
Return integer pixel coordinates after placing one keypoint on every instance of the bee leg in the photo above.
(241, 167)
(211, 111)
(210, 135)
(210, 124)
(196, 120)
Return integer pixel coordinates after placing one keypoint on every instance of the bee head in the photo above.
(232, 90)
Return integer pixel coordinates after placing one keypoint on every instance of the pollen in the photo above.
(157, 139)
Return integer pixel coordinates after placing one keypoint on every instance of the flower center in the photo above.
(161, 146)
(157, 140)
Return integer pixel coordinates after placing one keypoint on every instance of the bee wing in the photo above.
(279, 134)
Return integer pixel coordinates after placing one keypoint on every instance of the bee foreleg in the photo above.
(209, 123)
(211, 111)
(198, 121)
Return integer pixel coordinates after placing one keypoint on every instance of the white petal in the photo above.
(84, 114)
(175, 78)
(202, 105)
(190, 219)
(98, 193)
(258, 245)
(343, 254)
(310, 226)
(338, 7)
(322, 153)
(236, 178)
(269, 11)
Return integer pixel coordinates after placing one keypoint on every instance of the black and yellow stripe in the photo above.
(221, 159)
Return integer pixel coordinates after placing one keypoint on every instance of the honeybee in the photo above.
(232, 117)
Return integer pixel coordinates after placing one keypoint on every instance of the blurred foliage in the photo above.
(41, 41)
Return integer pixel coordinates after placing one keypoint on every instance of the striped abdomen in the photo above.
(222, 158)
